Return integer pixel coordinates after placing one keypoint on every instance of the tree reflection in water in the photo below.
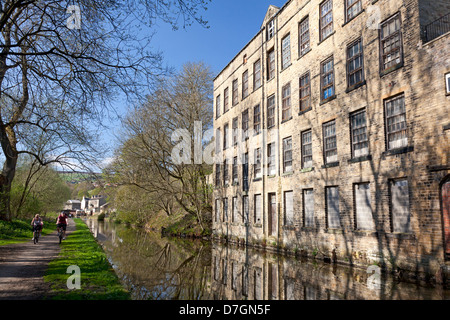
(156, 268)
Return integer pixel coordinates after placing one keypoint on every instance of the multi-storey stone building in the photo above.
(332, 134)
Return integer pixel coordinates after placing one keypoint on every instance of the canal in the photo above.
(158, 268)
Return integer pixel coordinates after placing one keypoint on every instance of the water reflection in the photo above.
(152, 267)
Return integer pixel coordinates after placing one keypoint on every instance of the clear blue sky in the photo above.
(232, 24)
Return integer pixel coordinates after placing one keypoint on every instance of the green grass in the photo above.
(98, 279)
(19, 231)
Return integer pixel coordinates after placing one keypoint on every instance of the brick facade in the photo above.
(379, 137)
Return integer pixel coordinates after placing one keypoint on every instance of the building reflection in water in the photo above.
(152, 267)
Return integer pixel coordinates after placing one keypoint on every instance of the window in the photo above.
(286, 52)
(271, 159)
(226, 105)
(391, 44)
(447, 83)
(305, 92)
(401, 216)
(258, 208)
(257, 119)
(234, 275)
(235, 93)
(270, 29)
(245, 209)
(332, 207)
(304, 36)
(352, 8)
(234, 213)
(235, 130)
(289, 208)
(355, 62)
(245, 173)
(234, 171)
(218, 138)
(225, 210)
(256, 75)
(363, 207)
(271, 111)
(218, 106)
(396, 131)
(271, 64)
(329, 142)
(225, 173)
(217, 175)
(226, 132)
(360, 141)
(244, 125)
(306, 149)
(327, 79)
(326, 19)
(257, 166)
(287, 154)
(286, 102)
(217, 211)
(308, 207)
(245, 84)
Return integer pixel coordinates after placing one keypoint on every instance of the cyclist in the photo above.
(62, 223)
(37, 225)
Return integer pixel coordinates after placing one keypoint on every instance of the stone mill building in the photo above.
(332, 134)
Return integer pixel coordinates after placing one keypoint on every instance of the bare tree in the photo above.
(61, 78)
(146, 158)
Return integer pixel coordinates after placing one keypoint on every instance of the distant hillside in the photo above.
(77, 176)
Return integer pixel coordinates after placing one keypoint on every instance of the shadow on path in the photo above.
(23, 266)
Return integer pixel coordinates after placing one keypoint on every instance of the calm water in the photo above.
(152, 267)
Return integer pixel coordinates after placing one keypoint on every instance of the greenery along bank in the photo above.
(98, 279)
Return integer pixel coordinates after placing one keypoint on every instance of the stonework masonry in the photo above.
(357, 89)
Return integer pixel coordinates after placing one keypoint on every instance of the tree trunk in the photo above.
(7, 175)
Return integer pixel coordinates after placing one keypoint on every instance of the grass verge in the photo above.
(18, 231)
(98, 280)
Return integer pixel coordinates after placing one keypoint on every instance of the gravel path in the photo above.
(23, 266)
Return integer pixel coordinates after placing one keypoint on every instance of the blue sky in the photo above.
(232, 24)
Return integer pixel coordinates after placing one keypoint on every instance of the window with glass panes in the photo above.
(271, 64)
(257, 119)
(391, 43)
(256, 74)
(286, 102)
(327, 79)
(270, 29)
(360, 141)
(218, 106)
(305, 92)
(306, 149)
(304, 36)
(226, 105)
(235, 131)
(352, 8)
(245, 84)
(355, 62)
(396, 129)
(330, 142)
(286, 52)
(245, 124)
(287, 154)
(235, 170)
(235, 93)
(271, 111)
(326, 19)
(225, 173)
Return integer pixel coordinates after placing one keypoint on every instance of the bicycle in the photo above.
(36, 233)
(60, 234)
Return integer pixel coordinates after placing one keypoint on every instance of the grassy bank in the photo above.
(98, 279)
(18, 231)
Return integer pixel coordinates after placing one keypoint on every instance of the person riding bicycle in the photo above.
(37, 225)
(61, 223)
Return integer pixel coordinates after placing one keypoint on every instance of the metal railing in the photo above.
(436, 28)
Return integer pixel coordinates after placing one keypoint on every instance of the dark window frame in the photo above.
(305, 88)
(325, 138)
(382, 40)
(304, 37)
(303, 145)
(286, 103)
(321, 17)
(271, 111)
(347, 8)
(360, 69)
(353, 143)
(330, 84)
